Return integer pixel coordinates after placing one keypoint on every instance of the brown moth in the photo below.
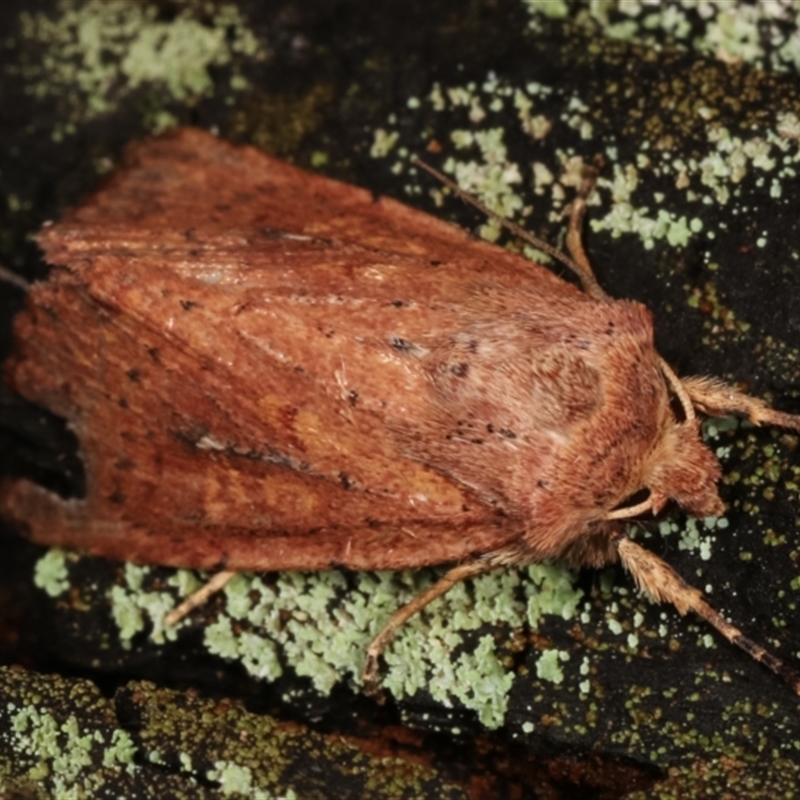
(271, 370)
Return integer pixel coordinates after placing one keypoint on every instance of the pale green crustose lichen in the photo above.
(548, 666)
(766, 34)
(319, 625)
(132, 606)
(50, 572)
(95, 53)
(481, 165)
(62, 755)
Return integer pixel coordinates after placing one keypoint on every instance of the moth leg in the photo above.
(662, 583)
(471, 569)
(575, 238)
(717, 399)
(198, 598)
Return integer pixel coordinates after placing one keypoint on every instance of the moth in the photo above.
(268, 369)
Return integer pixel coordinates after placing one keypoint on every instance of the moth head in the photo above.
(685, 470)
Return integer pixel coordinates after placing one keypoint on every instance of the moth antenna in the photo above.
(593, 288)
(587, 279)
(678, 386)
(717, 399)
(662, 583)
(9, 276)
(453, 576)
(198, 598)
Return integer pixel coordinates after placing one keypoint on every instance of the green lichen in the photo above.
(51, 573)
(551, 589)
(319, 625)
(320, 633)
(96, 53)
(555, 9)
(721, 168)
(237, 780)
(548, 666)
(765, 34)
(63, 755)
(59, 738)
(383, 144)
(496, 180)
(133, 607)
(493, 180)
(122, 750)
(253, 755)
(691, 535)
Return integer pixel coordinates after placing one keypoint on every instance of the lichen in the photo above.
(319, 625)
(133, 607)
(764, 34)
(62, 753)
(235, 779)
(94, 54)
(50, 572)
(723, 168)
(383, 144)
(548, 666)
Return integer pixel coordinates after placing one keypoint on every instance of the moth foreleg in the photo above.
(662, 583)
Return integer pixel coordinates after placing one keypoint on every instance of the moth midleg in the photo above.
(200, 597)
(662, 583)
(470, 569)
(715, 398)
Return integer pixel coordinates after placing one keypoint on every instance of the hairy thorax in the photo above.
(563, 420)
